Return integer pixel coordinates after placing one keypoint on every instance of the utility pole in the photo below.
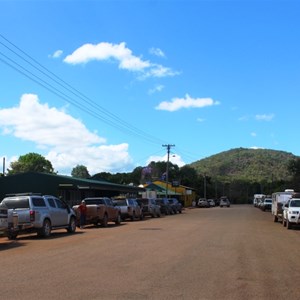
(168, 146)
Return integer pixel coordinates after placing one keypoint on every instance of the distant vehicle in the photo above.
(100, 210)
(266, 204)
(224, 201)
(130, 209)
(149, 207)
(279, 199)
(176, 205)
(211, 202)
(291, 212)
(258, 199)
(40, 214)
(165, 206)
(202, 202)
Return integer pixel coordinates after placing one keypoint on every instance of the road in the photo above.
(203, 253)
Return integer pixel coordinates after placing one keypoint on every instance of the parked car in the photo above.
(129, 208)
(149, 207)
(202, 202)
(40, 214)
(291, 212)
(165, 206)
(176, 205)
(100, 210)
(224, 201)
(266, 204)
(211, 202)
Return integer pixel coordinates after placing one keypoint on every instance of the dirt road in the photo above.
(214, 253)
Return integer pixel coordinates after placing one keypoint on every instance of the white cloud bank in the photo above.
(120, 53)
(67, 140)
(187, 102)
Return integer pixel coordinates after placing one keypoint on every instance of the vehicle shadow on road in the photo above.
(9, 244)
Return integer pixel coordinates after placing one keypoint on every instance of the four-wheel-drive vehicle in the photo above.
(149, 207)
(100, 210)
(224, 201)
(202, 202)
(130, 209)
(40, 214)
(291, 212)
(176, 205)
(165, 206)
(266, 204)
(279, 199)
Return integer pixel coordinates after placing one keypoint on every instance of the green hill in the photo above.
(251, 165)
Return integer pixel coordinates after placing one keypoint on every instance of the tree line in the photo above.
(238, 190)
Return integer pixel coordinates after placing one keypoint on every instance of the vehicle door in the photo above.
(111, 209)
(136, 207)
(59, 213)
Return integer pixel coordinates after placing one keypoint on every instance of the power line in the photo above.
(89, 106)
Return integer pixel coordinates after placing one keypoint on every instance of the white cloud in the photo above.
(120, 53)
(157, 52)
(243, 118)
(253, 134)
(200, 120)
(174, 159)
(157, 88)
(264, 117)
(105, 51)
(187, 102)
(66, 139)
(56, 54)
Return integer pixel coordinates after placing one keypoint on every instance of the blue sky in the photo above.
(106, 84)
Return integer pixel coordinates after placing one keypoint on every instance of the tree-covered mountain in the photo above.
(251, 165)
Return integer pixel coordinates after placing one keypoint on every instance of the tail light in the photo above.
(32, 216)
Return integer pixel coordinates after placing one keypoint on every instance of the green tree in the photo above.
(31, 162)
(80, 171)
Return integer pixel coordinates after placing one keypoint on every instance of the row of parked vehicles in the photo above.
(284, 206)
(29, 212)
(222, 202)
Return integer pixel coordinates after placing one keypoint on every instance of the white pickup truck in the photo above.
(291, 212)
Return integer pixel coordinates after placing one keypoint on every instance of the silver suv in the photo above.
(130, 209)
(40, 214)
(149, 207)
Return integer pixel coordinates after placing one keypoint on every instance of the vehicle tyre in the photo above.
(72, 225)
(288, 224)
(12, 235)
(283, 222)
(45, 231)
(275, 219)
(118, 220)
(180, 211)
(133, 216)
(104, 222)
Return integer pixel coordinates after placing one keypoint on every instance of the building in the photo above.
(71, 189)
(184, 194)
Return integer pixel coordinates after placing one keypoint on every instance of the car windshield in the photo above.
(93, 201)
(121, 203)
(295, 203)
(268, 200)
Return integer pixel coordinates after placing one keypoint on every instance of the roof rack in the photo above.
(24, 194)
